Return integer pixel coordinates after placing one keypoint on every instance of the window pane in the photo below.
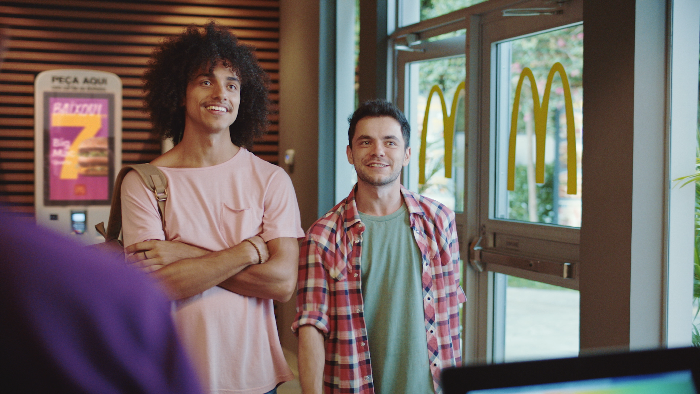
(541, 321)
(538, 171)
(414, 11)
(437, 91)
(432, 8)
(696, 275)
(696, 271)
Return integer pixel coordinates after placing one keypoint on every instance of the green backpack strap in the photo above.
(154, 179)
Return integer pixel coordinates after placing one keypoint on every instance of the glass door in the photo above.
(530, 180)
(513, 177)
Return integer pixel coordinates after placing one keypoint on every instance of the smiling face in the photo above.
(212, 100)
(378, 151)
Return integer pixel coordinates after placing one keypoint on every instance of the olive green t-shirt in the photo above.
(392, 292)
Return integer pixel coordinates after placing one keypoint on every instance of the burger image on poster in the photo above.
(93, 157)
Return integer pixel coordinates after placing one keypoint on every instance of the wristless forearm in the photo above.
(311, 359)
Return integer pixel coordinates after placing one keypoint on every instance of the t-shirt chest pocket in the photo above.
(238, 223)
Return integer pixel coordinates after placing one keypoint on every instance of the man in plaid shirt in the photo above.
(381, 267)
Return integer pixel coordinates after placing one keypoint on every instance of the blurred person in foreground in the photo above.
(76, 321)
(378, 293)
(229, 247)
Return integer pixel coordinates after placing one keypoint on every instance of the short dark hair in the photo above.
(179, 58)
(374, 109)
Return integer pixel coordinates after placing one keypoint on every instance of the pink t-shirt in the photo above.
(232, 339)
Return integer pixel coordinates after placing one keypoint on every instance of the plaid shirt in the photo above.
(329, 294)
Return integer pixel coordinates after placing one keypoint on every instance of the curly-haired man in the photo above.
(229, 246)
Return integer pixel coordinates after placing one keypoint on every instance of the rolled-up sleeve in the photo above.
(312, 288)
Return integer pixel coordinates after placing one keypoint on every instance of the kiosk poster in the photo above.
(78, 148)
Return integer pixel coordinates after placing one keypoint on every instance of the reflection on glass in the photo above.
(444, 74)
(541, 321)
(529, 201)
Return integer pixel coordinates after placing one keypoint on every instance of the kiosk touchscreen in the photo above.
(77, 149)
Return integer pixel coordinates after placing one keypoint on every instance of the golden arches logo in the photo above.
(448, 122)
(540, 117)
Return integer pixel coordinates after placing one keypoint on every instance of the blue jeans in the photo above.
(273, 391)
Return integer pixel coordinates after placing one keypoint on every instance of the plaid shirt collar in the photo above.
(352, 214)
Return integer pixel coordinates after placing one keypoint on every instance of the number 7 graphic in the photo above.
(91, 124)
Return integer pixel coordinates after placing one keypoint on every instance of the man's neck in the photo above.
(378, 200)
(204, 150)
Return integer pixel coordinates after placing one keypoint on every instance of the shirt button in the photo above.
(358, 310)
(363, 344)
(369, 377)
(355, 275)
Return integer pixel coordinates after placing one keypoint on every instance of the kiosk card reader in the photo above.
(78, 221)
(77, 139)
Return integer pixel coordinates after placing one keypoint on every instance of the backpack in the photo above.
(155, 180)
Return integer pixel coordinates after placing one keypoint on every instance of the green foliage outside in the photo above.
(446, 73)
(518, 200)
(686, 180)
(695, 180)
(539, 53)
(432, 8)
(443, 73)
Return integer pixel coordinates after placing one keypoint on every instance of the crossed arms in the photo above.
(185, 270)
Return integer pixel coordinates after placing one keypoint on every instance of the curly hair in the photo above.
(377, 108)
(174, 64)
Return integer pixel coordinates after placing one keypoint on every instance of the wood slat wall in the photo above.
(118, 37)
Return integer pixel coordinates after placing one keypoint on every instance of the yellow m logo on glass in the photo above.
(448, 122)
(541, 127)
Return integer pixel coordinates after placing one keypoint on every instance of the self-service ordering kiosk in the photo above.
(77, 139)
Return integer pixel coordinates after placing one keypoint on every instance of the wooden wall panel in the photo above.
(118, 37)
